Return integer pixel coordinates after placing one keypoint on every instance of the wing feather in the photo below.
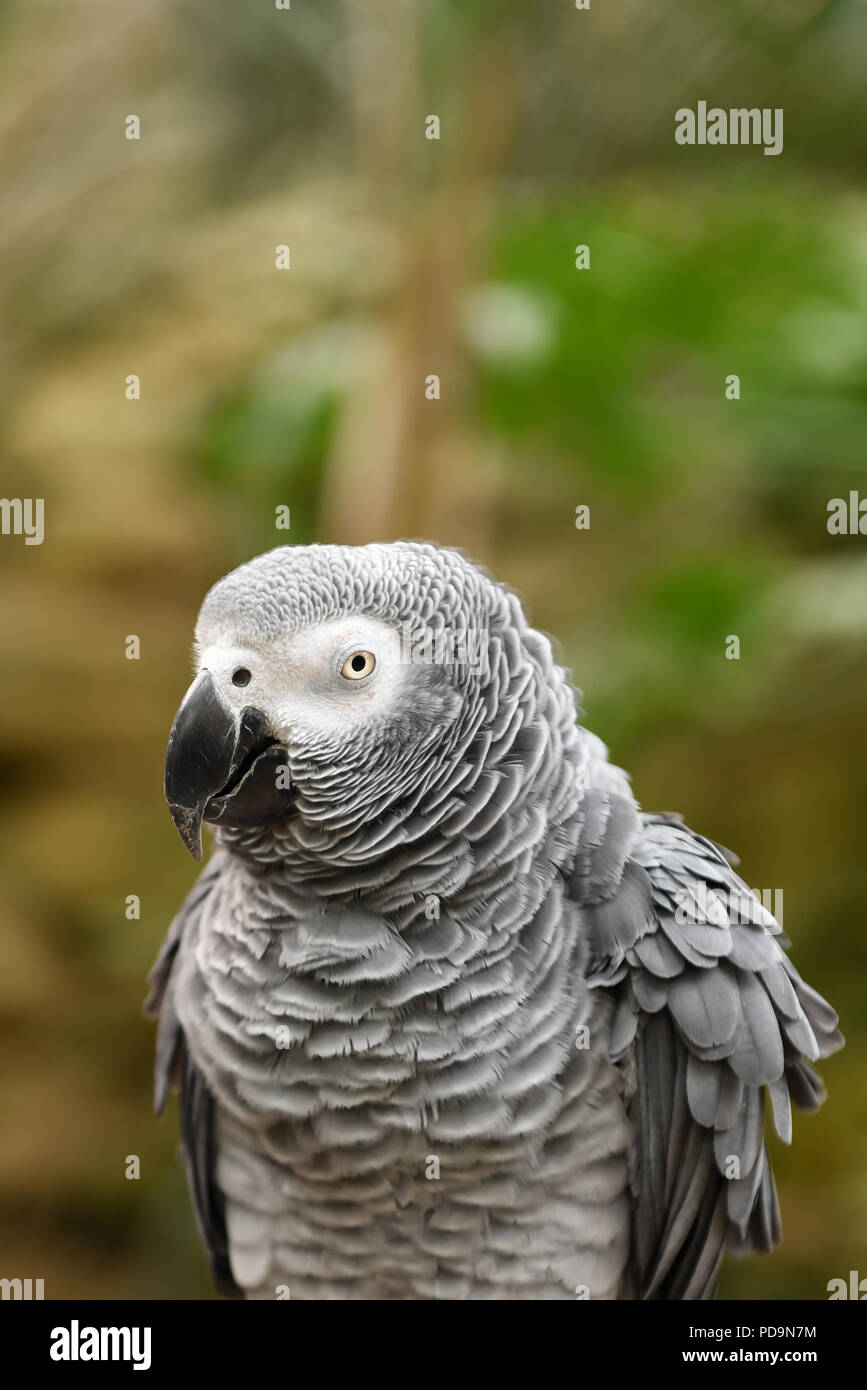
(710, 1016)
(174, 1070)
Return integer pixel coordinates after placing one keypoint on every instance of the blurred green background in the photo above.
(305, 388)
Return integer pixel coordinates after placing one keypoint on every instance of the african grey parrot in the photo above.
(449, 1016)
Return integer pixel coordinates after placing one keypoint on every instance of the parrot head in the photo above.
(319, 693)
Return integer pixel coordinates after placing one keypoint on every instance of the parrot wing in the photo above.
(174, 1070)
(710, 1017)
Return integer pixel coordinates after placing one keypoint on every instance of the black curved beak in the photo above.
(209, 751)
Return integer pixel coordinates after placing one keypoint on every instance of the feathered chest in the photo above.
(446, 1026)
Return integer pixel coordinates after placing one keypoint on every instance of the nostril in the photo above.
(241, 676)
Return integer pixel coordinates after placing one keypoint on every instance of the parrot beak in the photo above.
(210, 754)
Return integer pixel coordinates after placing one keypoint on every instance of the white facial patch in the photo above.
(297, 681)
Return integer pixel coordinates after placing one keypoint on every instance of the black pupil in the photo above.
(358, 662)
(241, 676)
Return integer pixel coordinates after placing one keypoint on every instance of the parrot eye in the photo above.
(241, 676)
(357, 666)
